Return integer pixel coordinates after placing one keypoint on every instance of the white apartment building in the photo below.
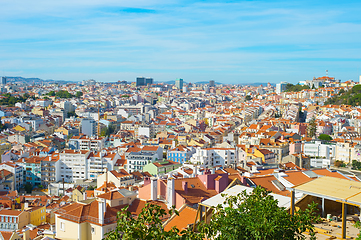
(319, 149)
(83, 142)
(100, 161)
(137, 160)
(17, 171)
(82, 164)
(73, 165)
(211, 157)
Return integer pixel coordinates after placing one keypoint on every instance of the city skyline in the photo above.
(231, 43)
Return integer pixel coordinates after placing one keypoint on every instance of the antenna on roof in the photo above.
(327, 73)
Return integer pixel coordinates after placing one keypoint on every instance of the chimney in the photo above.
(131, 188)
(170, 192)
(217, 184)
(85, 196)
(244, 181)
(26, 234)
(146, 181)
(195, 171)
(185, 187)
(153, 189)
(301, 161)
(213, 171)
(26, 205)
(101, 210)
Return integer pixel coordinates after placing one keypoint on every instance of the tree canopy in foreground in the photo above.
(244, 216)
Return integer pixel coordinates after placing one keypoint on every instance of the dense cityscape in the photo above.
(74, 154)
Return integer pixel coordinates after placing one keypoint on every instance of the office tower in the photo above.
(211, 83)
(280, 87)
(3, 81)
(148, 81)
(179, 83)
(140, 81)
(89, 127)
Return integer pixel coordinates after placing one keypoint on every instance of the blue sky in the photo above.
(228, 41)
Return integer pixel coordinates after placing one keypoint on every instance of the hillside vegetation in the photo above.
(351, 97)
(295, 88)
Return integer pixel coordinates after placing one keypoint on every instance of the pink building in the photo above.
(181, 191)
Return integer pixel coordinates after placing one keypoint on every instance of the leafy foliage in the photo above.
(148, 225)
(72, 114)
(311, 128)
(10, 101)
(257, 216)
(60, 94)
(356, 165)
(246, 216)
(351, 97)
(339, 163)
(28, 188)
(248, 97)
(78, 94)
(325, 137)
(108, 130)
(295, 88)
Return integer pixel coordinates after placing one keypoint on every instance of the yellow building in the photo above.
(37, 215)
(266, 155)
(81, 221)
(78, 194)
(19, 128)
(199, 143)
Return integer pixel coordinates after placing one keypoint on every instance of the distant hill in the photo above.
(257, 84)
(33, 80)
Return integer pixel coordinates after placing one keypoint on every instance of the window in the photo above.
(62, 226)
(92, 230)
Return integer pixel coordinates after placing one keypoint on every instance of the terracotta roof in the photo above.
(186, 216)
(326, 172)
(6, 235)
(111, 195)
(196, 190)
(296, 177)
(137, 205)
(78, 212)
(10, 212)
(266, 182)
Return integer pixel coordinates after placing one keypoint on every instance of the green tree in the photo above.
(356, 165)
(78, 94)
(295, 88)
(28, 188)
(248, 97)
(148, 225)
(108, 130)
(246, 216)
(257, 216)
(72, 114)
(325, 137)
(339, 163)
(311, 128)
